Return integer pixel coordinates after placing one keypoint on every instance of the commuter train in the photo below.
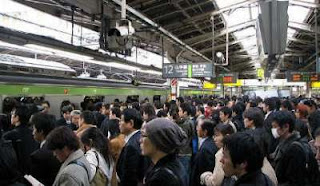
(57, 89)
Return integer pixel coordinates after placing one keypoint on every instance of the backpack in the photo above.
(99, 178)
(311, 164)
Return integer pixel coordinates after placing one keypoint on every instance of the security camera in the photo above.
(124, 27)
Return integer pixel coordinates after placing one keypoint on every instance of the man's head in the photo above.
(312, 106)
(205, 128)
(269, 104)
(75, 117)
(130, 121)
(46, 107)
(63, 142)
(317, 143)
(148, 111)
(283, 124)
(199, 110)
(43, 124)
(241, 155)
(20, 115)
(86, 117)
(105, 109)
(66, 111)
(115, 113)
(253, 117)
(225, 113)
(184, 110)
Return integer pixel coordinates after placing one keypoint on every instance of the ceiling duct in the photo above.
(272, 25)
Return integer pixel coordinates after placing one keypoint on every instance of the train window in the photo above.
(156, 98)
(133, 98)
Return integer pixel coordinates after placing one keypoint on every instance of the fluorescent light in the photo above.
(60, 52)
(152, 72)
(23, 48)
(122, 66)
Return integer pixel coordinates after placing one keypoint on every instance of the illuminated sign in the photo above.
(227, 78)
(180, 70)
(302, 76)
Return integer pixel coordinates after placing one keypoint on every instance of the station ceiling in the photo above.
(186, 29)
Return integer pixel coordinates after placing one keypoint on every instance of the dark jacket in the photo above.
(111, 126)
(255, 178)
(203, 161)
(290, 162)
(98, 118)
(24, 145)
(167, 172)
(130, 166)
(238, 122)
(272, 142)
(61, 122)
(261, 137)
(44, 166)
(187, 126)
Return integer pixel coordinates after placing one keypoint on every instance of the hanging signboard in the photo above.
(170, 70)
(302, 76)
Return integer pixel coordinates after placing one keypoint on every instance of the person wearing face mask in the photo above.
(292, 164)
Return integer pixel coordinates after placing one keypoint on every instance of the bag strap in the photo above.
(305, 151)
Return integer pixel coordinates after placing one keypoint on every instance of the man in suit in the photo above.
(269, 107)
(21, 137)
(66, 119)
(130, 166)
(205, 158)
(44, 166)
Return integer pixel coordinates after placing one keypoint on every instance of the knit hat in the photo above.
(165, 135)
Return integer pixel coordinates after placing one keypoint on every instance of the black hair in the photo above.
(224, 129)
(46, 102)
(211, 104)
(148, 109)
(200, 108)
(186, 107)
(133, 114)
(157, 104)
(226, 111)
(284, 117)
(271, 103)
(24, 114)
(93, 137)
(238, 108)
(208, 125)
(106, 106)
(43, 123)
(317, 133)
(161, 113)
(242, 148)
(180, 99)
(287, 105)
(193, 110)
(136, 105)
(88, 117)
(278, 102)
(66, 109)
(310, 103)
(255, 114)
(61, 137)
(98, 106)
(116, 111)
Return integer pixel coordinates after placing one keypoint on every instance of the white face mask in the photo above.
(275, 133)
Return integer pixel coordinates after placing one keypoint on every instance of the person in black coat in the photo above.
(314, 115)
(161, 140)
(110, 127)
(243, 158)
(130, 165)
(66, 119)
(205, 158)
(269, 106)
(44, 166)
(21, 137)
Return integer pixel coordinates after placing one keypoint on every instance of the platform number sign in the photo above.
(180, 70)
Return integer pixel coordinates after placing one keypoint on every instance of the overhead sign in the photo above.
(260, 73)
(208, 85)
(187, 70)
(227, 78)
(302, 76)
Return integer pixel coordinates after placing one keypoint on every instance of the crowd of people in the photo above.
(188, 141)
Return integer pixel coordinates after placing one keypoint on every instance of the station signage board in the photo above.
(227, 78)
(302, 76)
(183, 70)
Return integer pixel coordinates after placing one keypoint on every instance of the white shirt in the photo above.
(268, 113)
(104, 167)
(127, 138)
(42, 143)
(201, 140)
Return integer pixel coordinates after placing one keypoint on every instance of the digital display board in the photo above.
(302, 76)
(187, 70)
(227, 78)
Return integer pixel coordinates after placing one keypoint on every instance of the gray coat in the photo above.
(73, 174)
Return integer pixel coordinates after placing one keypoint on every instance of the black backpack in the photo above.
(311, 163)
